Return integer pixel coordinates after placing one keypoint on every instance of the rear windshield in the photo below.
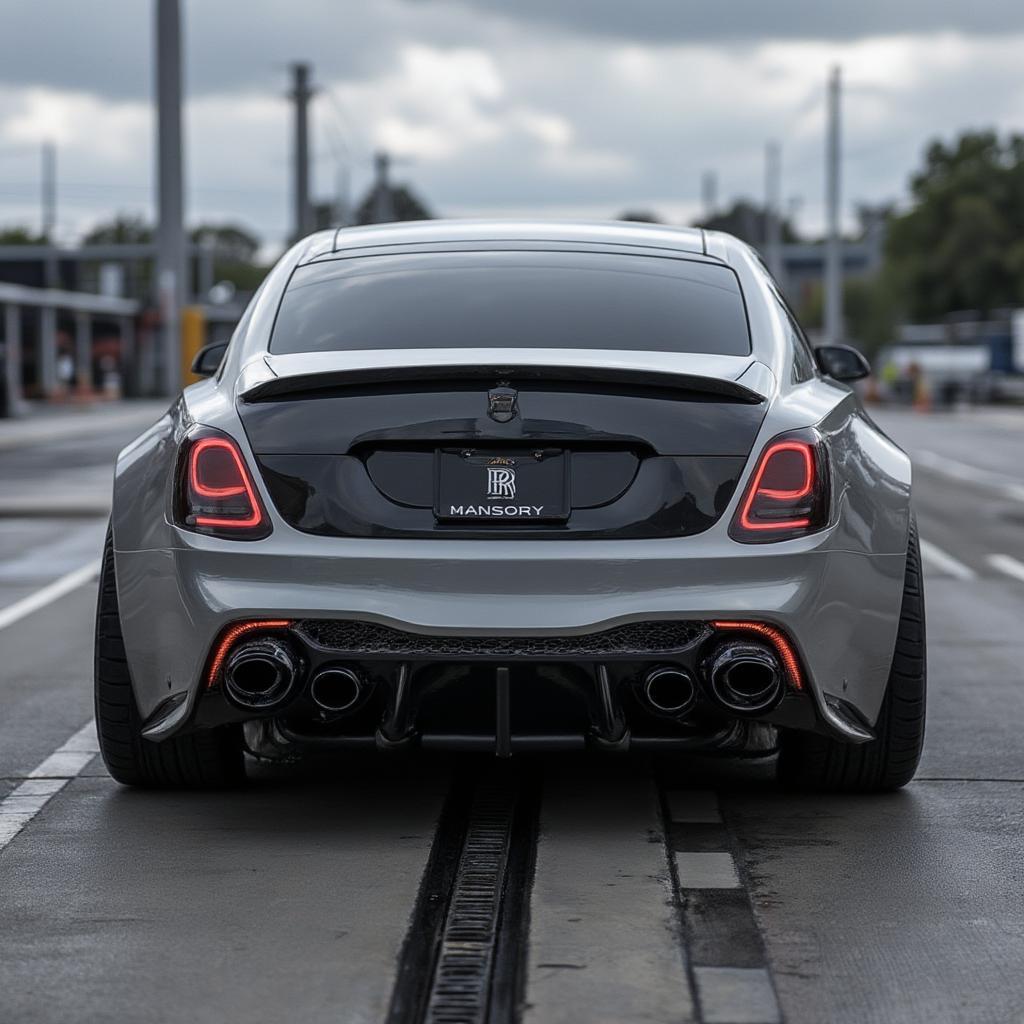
(513, 300)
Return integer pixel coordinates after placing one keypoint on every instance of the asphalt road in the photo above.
(642, 891)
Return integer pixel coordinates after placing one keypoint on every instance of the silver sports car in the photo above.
(514, 487)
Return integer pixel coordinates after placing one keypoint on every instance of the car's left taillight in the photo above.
(788, 494)
(216, 493)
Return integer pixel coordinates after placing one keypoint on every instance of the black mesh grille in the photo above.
(636, 638)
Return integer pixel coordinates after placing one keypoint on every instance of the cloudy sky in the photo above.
(498, 107)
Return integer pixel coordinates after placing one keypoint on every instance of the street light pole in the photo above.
(773, 208)
(383, 204)
(709, 194)
(834, 242)
(48, 197)
(171, 281)
(301, 94)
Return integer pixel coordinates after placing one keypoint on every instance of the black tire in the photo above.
(206, 759)
(810, 761)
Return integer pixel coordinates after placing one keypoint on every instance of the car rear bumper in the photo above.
(840, 608)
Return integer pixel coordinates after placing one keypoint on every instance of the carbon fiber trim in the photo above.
(353, 637)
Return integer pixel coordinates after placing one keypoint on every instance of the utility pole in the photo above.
(48, 216)
(48, 196)
(833, 242)
(709, 194)
(773, 209)
(342, 188)
(383, 206)
(300, 95)
(171, 281)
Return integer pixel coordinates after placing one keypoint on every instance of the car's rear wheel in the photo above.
(207, 759)
(809, 761)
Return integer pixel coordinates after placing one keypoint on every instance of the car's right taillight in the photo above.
(216, 493)
(788, 494)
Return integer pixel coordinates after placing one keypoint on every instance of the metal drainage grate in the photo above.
(353, 637)
(461, 985)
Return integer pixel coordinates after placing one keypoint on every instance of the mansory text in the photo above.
(508, 487)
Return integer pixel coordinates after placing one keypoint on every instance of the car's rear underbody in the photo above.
(648, 685)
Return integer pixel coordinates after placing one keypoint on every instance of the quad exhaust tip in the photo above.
(668, 690)
(746, 678)
(336, 689)
(260, 675)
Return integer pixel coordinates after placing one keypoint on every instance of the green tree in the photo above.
(235, 252)
(746, 220)
(20, 236)
(231, 243)
(961, 245)
(124, 229)
(404, 202)
(640, 216)
(871, 308)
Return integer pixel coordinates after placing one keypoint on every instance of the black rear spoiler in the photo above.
(307, 383)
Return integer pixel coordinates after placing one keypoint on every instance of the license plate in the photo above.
(501, 487)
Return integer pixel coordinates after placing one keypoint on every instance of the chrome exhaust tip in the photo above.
(260, 675)
(336, 689)
(668, 690)
(746, 678)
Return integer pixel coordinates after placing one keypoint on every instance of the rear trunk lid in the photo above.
(514, 443)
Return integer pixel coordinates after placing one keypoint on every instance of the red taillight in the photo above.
(233, 633)
(217, 492)
(788, 493)
(777, 638)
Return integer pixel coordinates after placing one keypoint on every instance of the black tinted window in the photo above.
(513, 300)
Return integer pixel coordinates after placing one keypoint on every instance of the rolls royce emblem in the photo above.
(501, 404)
(501, 482)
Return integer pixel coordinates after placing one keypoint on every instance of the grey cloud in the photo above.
(105, 47)
(99, 47)
(240, 168)
(696, 21)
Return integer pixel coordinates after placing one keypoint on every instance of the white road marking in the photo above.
(736, 995)
(693, 807)
(1008, 486)
(51, 592)
(48, 556)
(68, 761)
(1007, 564)
(24, 802)
(703, 870)
(945, 562)
(725, 994)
